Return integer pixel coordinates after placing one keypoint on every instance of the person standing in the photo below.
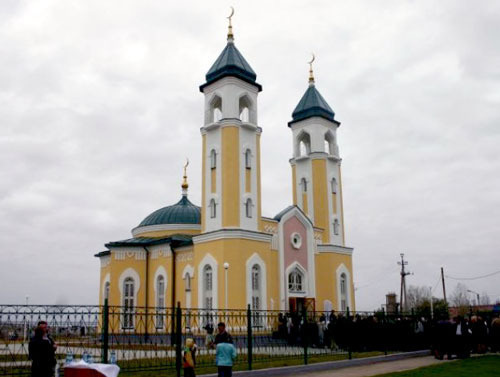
(225, 355)
(223, 336)
(189, 358)
(41, 351)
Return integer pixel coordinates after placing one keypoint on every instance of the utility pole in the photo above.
(402, 298)
(444, 287)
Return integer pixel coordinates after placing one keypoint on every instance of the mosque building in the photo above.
(226, 254)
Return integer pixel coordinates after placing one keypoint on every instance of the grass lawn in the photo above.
(484, 366)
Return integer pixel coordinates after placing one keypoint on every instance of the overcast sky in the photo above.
(99, 106)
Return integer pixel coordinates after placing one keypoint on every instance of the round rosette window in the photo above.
(296, 240)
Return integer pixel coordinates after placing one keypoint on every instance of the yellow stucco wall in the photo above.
(320, 195)
(259, 191)
(230, 177)
(236, 252)
(326, 278)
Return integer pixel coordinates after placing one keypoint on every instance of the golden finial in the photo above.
(185, 184)
(311, 74)
(230, 36)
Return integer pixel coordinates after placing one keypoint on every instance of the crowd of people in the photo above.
(459, 336)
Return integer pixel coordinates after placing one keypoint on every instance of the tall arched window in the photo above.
(213, 209)
(216, 109)
(303, 144)
(107, 286)
(256, 294)
(248, 159)
(303, 184)
(128, 303)
(329, 143)
(336, 227)
(213, 159)
(245, 105)
(334, 186)
(187, 283)
(343, 292)
(248, 208)
(160, 301)
(295, 281)
(208, 287)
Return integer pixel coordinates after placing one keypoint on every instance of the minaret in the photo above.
(317, 187)
(231, 193)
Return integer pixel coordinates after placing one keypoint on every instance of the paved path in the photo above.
(378, 368)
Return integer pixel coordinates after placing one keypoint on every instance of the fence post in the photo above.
(178, 339)
(351, 328)
(105, 332)
(249, 337)
(305, 336)
(382, 327)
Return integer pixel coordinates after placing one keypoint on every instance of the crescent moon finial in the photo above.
(230, 36)
(185, 184)
(311, 74)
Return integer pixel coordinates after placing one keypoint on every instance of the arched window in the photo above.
(245, 105)
(208, 286)
(334, 186)
(213, 159)
(303, 144)
(343, 292)
(160, 301)
(329, 143)
(128, 303)
(213, 209)
(336, 227)
(106, 290)
(248, 159)
(187, 283)
(248, 208)
(295, 281)
(256, 286)
(216, 109)
(303, 184)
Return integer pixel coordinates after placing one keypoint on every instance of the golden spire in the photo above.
(185, 184)
(230, 36)
(311, 74)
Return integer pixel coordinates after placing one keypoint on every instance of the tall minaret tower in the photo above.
(317, 187)
(231, 194)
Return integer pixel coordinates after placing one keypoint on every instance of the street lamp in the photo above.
(226, 267)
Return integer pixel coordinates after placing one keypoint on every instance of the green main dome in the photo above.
(183, 212)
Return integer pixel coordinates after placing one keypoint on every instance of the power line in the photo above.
(474, 278)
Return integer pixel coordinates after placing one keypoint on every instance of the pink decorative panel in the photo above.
(293, 225)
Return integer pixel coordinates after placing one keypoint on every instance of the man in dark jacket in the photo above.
(223, 336)
(42, 351)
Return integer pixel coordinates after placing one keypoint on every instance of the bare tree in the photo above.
(460, 297)
(484, 299)
(417, 296)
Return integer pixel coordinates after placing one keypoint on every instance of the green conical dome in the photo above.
(312, 104)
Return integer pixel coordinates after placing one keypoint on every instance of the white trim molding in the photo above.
(107, 279)
(255, 259)
(342, 269)
(232, 234)
(129, 273)
(160, 227)
(188, 270)
(326, 248)
(212, 262)
(305, 284)
(160, 271)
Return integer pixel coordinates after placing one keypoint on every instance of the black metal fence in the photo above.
(153, 338)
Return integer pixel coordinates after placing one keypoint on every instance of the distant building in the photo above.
(391, 304)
